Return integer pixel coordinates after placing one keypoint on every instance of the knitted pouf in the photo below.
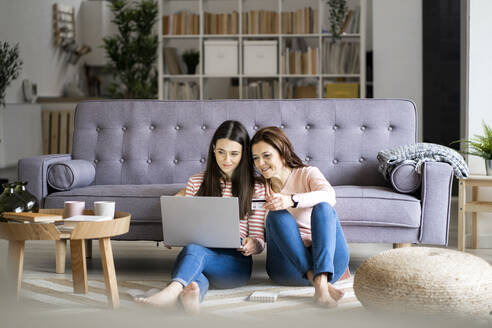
(425, 280)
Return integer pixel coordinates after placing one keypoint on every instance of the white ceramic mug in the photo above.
(104, 208)
(73, 208)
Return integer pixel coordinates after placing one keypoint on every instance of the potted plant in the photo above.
(132, 52)
(337, 14)
(10, 67)
(481, 146)
(191, 58)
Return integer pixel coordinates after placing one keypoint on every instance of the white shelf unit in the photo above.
(170, 7)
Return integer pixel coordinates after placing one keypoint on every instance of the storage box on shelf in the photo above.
(260, 57)
(284, 43)
(221, 57)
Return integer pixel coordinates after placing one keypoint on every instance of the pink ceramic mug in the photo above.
(73, 208)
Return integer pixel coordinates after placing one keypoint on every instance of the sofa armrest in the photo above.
(34, 171)
(437, 178)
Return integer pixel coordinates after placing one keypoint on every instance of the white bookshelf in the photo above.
(208, 83)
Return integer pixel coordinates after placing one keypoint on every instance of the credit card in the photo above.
(257, 204)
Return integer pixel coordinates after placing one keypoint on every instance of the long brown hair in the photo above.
(276, 138)
(243, 182)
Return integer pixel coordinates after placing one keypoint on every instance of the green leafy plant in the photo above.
(479, 145)
(191, 58)
(10, 67)
(338, 11)
(133, 52)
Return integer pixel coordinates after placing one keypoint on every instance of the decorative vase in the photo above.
(488, 166)
(30, 201)
(191, 68)
(9, 201)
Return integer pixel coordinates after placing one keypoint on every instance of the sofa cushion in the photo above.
(376, 206)
(404, 178)
(69, 174)
(141, 201)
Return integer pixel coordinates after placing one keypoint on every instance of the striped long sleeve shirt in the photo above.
(251, 225)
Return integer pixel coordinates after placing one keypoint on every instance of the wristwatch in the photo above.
(295, 200)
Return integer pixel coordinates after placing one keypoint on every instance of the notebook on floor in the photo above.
(207, 221)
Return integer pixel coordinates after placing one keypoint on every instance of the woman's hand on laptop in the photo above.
(250, 246)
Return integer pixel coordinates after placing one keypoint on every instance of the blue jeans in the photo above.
(219, 267)
(288, 260)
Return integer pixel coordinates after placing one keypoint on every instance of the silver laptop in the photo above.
(207, 221)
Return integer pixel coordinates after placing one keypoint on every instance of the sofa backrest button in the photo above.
(363, 128)
(177, 127)
(151, 127)
(335, 161)
(202, 160)
(204, 127)
(175, 161)
(335, 127)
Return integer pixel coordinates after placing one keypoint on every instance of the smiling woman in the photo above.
(229, 173)
(304, 237)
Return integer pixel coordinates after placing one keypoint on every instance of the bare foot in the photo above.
(168, 297)
(322, 294)
(190, 298)
(335, 293)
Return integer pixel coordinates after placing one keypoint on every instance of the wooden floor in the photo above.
(144, 260)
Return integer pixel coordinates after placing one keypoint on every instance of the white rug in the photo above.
(56, 294)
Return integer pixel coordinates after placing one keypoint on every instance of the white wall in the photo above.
(479, 77)
(30, 23)
(397, 49)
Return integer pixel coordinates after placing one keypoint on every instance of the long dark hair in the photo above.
(243, 181)
(276, 138)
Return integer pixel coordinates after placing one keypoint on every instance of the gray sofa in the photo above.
(144, 149)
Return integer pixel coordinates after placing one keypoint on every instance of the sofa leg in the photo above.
(401, 245)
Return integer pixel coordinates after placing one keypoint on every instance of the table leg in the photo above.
(79, 267)
(88, 248)
(109, 272)
(461, 215)
(474, 219)
(61, 254)
(16, 263)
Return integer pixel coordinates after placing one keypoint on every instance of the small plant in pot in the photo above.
(191, 58)
(10, 67)
(481, 146)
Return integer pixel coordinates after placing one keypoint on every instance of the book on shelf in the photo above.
(341, 57)
(342, 90)
(32, 217)
(300, 21)
(181, 22)
(305, 91)
(221, 23)
(171, 61)
(174, 90)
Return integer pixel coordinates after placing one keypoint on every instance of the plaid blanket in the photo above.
(418, 154)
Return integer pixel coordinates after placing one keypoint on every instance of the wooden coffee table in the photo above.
(18, 233)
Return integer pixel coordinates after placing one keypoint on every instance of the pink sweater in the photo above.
(313, 188)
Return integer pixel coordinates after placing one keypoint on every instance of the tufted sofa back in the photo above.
(160, 142)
